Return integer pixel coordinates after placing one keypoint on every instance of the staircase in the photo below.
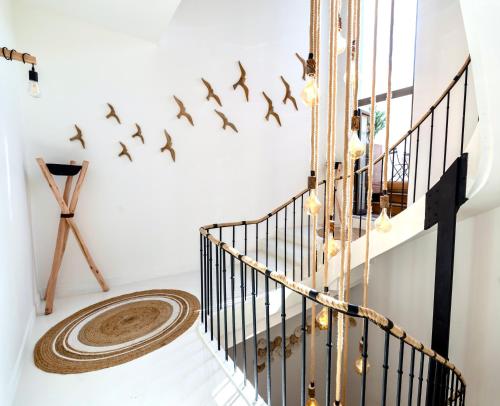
(255, 286)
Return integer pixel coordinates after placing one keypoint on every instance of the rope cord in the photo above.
(340, 328)
(331, 133)
(389, 97)
(366, 271)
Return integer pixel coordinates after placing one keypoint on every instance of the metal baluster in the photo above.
(404, 174)
(223, 253)
(267, 241)
(434, 381)
(254, 327)
(430, 149)
(410, 133)
(416, 166)
(385, 366)
(233, 313)
(301, 237)
(450, 389)
(309, 244)
(211, 294)
(303, 365)
(285, 235)
(446, 130)
(392, 182)
(243, 334)
(464, 110)
(220, 270)
(283, 346)
(257, 254)
(400, 370)
(268, 342)
(420, 378)
(205, 260)
(246, 280)
(329, 357)
(201, 279)
(411, 376)
(293, 250)
(365, 360)
(217, 293)
(276, 244)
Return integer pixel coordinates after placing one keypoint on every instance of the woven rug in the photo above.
(116, 331)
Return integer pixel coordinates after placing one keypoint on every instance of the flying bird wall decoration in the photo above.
(270, 109)
(124, 151)
(304, 65)
(78, 136)
(225, 121)
(183, 112)
(242, 81)
(288, 93)
(169, 145)
(112, 113)
(138, 133)
(211, 94)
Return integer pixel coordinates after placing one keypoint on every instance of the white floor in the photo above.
(182, 373)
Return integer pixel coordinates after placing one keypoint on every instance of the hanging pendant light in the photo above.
(356, 147)
(383, 222)
(333, 247)
(322, 319)
(311, 401)
(341, 41)
(312, 205)
(34, 88)
(310, 93)
(359, 365)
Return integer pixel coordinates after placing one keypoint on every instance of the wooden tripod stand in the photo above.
(67, 203)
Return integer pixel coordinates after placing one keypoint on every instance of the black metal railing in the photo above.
(401, 368)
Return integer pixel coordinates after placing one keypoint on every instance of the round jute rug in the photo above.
(116, 331)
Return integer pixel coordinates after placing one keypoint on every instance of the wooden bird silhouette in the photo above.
(169, 145)
(183, 112)
(78, 136)
(112, 113)
(304, 65)
(241, 81)
(225, 121)
(124, 151)
(270, 109)
(211, 94)
(288, 94)
(138, 133)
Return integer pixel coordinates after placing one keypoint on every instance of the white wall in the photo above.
(141, 219)
(441, 49)
(16, 261)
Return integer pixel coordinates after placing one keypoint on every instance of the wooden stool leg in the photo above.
(86, 254)
(62, 236)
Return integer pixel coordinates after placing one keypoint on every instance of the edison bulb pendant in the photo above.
(383, 222)
(312, 204)
(333, 247)
(322, 319)
(341, 43)
(310, 93)
(312, 402)
(356, 147)
(359, 365)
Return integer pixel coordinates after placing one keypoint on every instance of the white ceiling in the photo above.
(146, 19)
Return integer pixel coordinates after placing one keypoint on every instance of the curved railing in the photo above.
(280, 243)
(430, 377)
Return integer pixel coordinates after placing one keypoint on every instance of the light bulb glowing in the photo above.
(359, 365)
(356, 147)
(333, 247)
(383, 222)
(312, 205)
(341, 43)
(322, 319)
(310, 93)
(312, 402)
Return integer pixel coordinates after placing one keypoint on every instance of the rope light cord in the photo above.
(366, 271)
(388, 99)
(340, 328)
